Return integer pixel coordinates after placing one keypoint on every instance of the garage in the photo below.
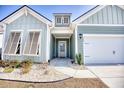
(103, 49)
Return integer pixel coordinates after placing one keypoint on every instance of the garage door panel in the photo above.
(103, 49)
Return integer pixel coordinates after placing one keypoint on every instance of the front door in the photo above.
(62, 49)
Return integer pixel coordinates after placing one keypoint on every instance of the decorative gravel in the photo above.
(38, 73)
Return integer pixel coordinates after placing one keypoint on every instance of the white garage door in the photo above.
(103, 49)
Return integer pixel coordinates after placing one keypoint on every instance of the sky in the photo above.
(48, 10)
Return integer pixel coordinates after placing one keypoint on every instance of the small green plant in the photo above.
(79, 59)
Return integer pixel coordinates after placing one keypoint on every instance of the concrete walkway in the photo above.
(113, 76)
(63, 65)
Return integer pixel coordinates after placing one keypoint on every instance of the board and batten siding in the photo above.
(26, 23)
(72, 46)
(108, 15)
(106, 30)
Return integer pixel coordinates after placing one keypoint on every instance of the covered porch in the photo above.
(61, 42)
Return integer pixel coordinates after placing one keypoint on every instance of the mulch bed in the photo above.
(69, 83)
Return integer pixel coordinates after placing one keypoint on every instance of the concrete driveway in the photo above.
(113, 76)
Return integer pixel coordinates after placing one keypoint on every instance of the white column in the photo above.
(76, 41)
(48, 43)
(69, 46)
(55, 47)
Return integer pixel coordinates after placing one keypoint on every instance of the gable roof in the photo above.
(91, 12)
(25, 9)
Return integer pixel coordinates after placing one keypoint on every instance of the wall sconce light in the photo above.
(80, 36)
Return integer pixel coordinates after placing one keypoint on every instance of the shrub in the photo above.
(26, 63)
(26, 66)
(8, 69)
(14, 63)
(25, 70)
(4, 63)
(79, 59)
(1, 63)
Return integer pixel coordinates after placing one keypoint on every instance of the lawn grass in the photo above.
(69, 83)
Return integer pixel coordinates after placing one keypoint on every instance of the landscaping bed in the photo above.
(26, 71)
(68, 83)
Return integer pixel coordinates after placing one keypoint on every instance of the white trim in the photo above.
(82, 18)
(48, 43)
(69, 47)
(62, 37)
(13, 17)
(76, 40)
(59, 48)
(56, 23)
(3, 42)
(64, 21)
(12, 54)
(33, 30)
(20, 37)
(55, 47)
(100, 24)
(103, 35)
(25, 10)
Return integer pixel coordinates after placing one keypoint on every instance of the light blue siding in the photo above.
(72, 46)
(27, 23)
(108, 15)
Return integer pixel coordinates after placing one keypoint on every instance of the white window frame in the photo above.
(21, 34)
(39, 41)
(57, 22)
(64, 21)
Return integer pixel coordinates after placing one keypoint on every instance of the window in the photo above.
(32, 43)
(66, 20)
(13, 43)
(59, 20)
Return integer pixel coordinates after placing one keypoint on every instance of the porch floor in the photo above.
(61, 62)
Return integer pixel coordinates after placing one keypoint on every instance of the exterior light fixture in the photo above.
(80, 36)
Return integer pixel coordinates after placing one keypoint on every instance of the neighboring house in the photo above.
(98, 35)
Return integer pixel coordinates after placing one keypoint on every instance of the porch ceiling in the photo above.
(62, 35)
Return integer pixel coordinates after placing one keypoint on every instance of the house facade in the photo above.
(98, 35)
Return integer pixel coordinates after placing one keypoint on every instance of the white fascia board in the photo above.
(14, 16)
(100, 25)
(103, 35)
(121, 6)
(82, 18)
(25, 10)
(39, 17)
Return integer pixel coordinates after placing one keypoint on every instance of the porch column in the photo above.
(69, 47)
(55, 47)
